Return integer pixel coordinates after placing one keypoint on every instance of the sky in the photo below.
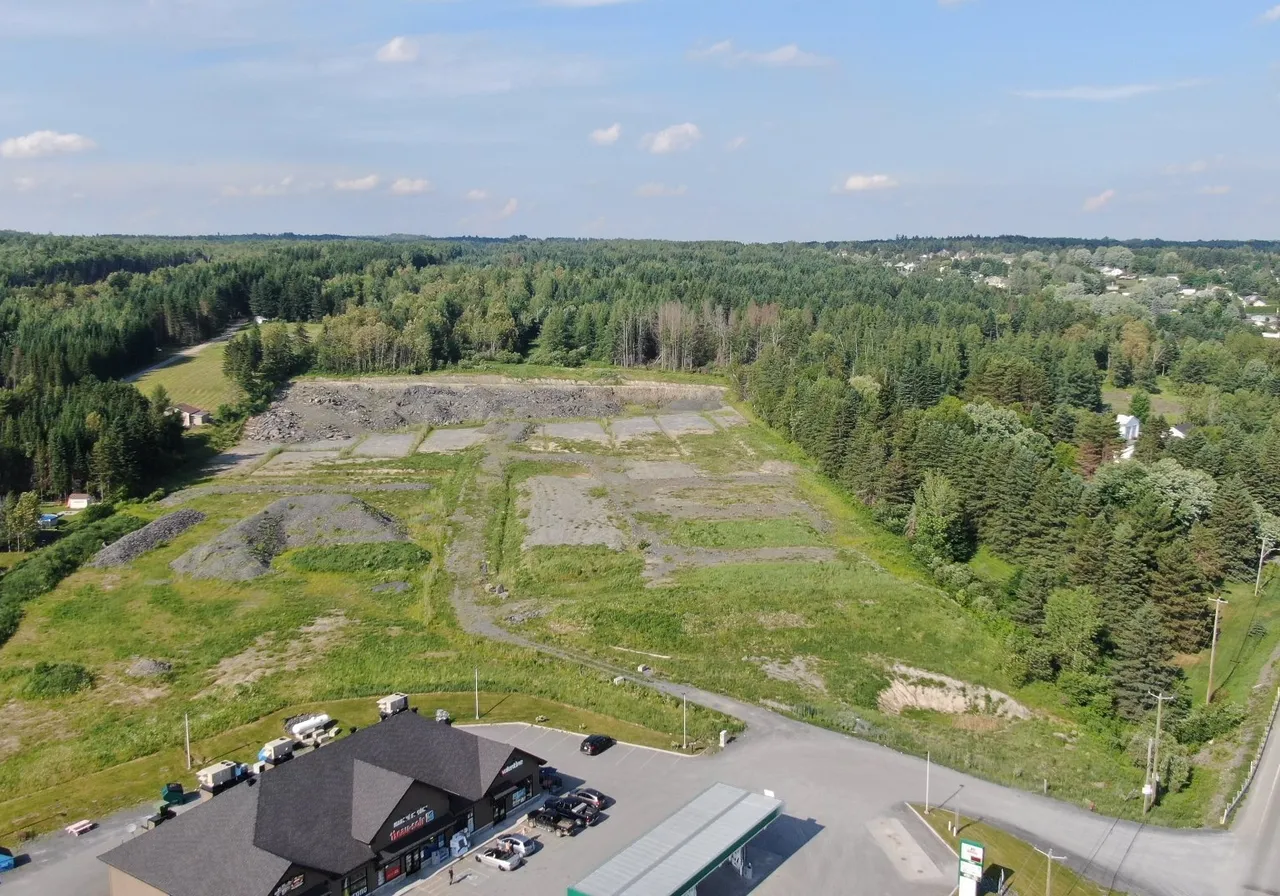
(679, 119)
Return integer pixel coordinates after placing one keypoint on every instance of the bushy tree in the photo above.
(936, 525)
(1142, 661)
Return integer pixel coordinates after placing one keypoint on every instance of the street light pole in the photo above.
(1160, 699)
(928, 763)
(477, 693)
(1213, 645)
(1048, 871)
(686, 724)
(1262, 558)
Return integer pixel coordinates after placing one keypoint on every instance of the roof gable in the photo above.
(375, 793)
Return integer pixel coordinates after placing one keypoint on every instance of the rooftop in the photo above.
(677, 854)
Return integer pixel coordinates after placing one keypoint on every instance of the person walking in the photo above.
(451, 877)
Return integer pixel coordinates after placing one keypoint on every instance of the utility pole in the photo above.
(928, 762)
(1262, 558)
(1213, 645)
(686, 724)
(1048, 871)
(1154, 781)
(186, 725)
(477, 693)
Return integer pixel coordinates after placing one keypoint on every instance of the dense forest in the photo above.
(953, 386)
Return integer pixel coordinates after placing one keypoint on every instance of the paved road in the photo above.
(1256, 868)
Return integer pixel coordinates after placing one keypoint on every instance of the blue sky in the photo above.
(685, 119)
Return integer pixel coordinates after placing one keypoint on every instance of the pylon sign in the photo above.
(972, 855)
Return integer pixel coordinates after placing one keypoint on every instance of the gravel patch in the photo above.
(801, 670)
(676, 425)
(626, 429)
(913, 688)
(660, 469)
(393, 587)
(245, 551)
(586, 431)
(319, 409)
(264, 488)
(148, 538)
(381, 445)
(148, 668)
(299, 460)
(325, 445)
(445, 441)
(562, 512)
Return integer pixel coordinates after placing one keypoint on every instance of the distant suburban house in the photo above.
(79, 501)
(1179, 431)
(191, 415)
(1112, 272)
(1187, 291)
(997, 282)
(259, 319)
(1254, 302)
(1130, 427)
(1271, 335)
(1259, 320)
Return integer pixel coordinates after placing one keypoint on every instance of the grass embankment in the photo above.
(242, 652)
(194, 379)
(588, 373)
(132, 783)
(1023, 868)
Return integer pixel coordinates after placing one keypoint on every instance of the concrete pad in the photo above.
(299, 460)
(585, 431)
(323, 445)
(727, 417)
(687, 424)
(625, 429)
(660, 469)
(443, 441)
(384, 445)
(562, 512)
(906, 855)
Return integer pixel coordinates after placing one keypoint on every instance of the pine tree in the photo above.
(1232, 529)
(1089, 563)
(1141, 662)
(1126, 577)
(1181, 592)
(1028, 590)
(1264, 472)
(1140, 406)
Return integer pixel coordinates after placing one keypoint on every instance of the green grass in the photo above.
(590, 373)
(1024, 868)
(97, 794)
(10, 559)
(744, 534)
(1248, 633)
(358, 558)
(197, 380)
(988, 566)
(1167, 403)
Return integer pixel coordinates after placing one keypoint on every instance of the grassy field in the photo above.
(98, 794)
(10, 559)
(1166, 403)
(195, 380)
(1023, 868)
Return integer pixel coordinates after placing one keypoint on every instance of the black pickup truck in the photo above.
(553, 822)
(574, 809)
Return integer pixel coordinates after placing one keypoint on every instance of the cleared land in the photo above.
(194, 379)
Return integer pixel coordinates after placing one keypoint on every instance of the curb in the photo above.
(941, 839)
(621, 743)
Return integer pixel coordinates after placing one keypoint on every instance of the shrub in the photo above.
(1206, 723)
(57, 680)
(376, 557)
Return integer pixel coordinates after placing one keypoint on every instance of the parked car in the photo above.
(553, 822)
(551, 780)
(518, 843)
(151, 822)
(573, 809)
(595, 744)
(590, 796)
(502, 859)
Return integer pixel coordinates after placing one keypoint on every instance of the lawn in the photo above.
(196, 380)
(98, 794)
(1166, 402)
(1013, 861)
(10, 559)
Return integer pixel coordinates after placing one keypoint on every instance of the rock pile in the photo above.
(245, 551)
(148, 538)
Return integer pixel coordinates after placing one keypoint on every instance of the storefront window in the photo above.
(355, 884)
(521, 794)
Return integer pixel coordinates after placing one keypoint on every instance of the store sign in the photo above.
(512, 767)
(414, 821)
(971, 860)
(290, 885)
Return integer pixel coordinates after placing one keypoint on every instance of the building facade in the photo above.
(377, 806)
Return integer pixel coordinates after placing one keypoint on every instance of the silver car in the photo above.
(499, 858)
(519, 844)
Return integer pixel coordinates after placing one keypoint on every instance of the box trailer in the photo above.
(392, 704)
(277, 751)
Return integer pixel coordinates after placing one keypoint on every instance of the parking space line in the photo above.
(647, 761)
(541, 734)
(623, 757)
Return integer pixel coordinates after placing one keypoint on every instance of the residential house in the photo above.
(1179, 431)
(1271, 335)
(79, 501)
(191, 415)
(1130, 427)
(1254, 301)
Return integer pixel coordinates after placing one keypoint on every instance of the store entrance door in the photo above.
(413, 862)
(499, 810)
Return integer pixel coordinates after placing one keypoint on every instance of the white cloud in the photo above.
(23, 184)
(1099, 202)
(606, 136)
(273, 189)
(736, 144)
(786, 56)
(673, 139)
(1272, 14)
(512, 206)
(1221, 190)
(398, 49)
(44, 143)
(861, 183)
(1099, 94)
(1199, 166)
(477, 195)
(657, 190)
(368, 182)
(409, 186)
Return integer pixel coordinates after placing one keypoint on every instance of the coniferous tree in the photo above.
(1093, 550)
(1141, 664)
(1231, 530)
(1182, 591)
(1127, 576)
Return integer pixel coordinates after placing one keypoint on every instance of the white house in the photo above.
(1179, 431)
(1271, 335)
(1254, 302)
(191, 415)
(79, 501)
(1130, 427)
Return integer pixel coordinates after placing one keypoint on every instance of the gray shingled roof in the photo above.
(207, 851)
(321, 809)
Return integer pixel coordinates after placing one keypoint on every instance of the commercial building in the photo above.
(368, 809)
(677, 855)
